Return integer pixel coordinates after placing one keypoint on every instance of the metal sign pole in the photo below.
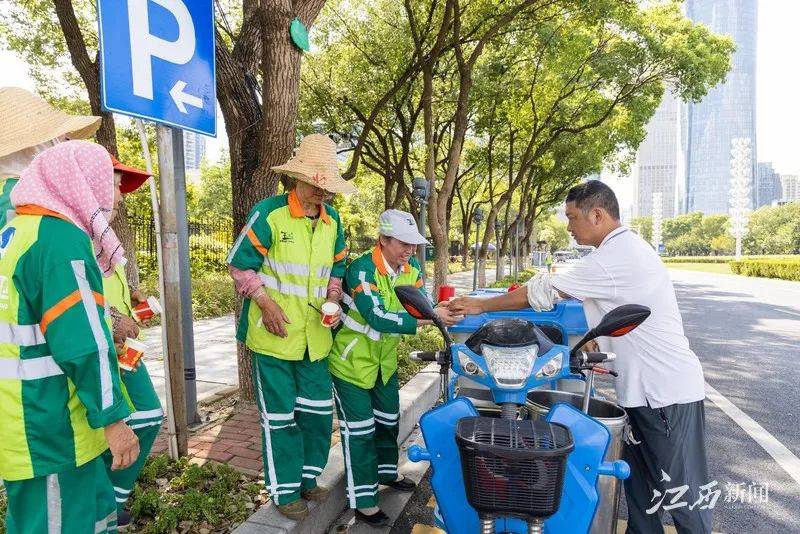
(172, 441)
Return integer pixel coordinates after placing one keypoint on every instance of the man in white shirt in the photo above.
(660, 381)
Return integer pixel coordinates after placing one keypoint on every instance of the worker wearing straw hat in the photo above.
(28, 126)
(288, 262)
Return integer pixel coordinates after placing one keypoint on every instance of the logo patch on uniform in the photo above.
(287, 237)
(5, 239)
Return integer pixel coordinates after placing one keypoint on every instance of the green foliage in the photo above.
(213, 198)
(644, 226)
(694, 234)
(774, 230)
(173, 492)
(787, 269)
(212, 294)
(523, 277)
(554, 232)
(359, 212)
(3, 507)
(428, 338)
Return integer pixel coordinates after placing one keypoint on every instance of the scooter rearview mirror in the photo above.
(616, 323)
(622, 320)
(419, 307)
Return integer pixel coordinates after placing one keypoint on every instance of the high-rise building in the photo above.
(727, 111)
(659, 162)
(768, 185)
(194, 148)
(790, 185)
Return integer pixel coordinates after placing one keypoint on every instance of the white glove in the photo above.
(541, 295)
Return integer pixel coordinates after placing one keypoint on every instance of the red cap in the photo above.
(131, 178)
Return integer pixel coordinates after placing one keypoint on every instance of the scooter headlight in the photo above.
(551, 367)
(510, 366)
(469, 366)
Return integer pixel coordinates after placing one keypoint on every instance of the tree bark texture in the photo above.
(107, 134)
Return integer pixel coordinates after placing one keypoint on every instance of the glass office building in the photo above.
(727, 111)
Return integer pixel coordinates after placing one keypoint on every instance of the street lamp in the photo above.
(421, 191)
(740, 199)
(478, 217)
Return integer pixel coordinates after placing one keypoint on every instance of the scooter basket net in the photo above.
(513, 467)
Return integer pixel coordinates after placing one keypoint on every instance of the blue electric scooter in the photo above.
(505, 474)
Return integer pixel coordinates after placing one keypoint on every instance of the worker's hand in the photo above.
(273, 317)
(445, 313)
(591, 346)
(137, 297)
(123, 443)
(338, 317)
(466, 306)
(124, 327)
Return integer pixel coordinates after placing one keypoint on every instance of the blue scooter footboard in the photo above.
(579, 497)
(439, 430)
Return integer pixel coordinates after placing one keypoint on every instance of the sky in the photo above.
(777, 99)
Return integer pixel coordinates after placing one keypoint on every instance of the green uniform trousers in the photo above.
(78, 501)
(368, 423)
(145, 421)
(294, 399)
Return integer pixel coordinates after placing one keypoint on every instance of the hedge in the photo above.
(720, 259)
(785, 269)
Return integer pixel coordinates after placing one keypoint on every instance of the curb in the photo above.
(416, 397)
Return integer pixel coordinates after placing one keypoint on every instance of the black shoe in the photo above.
(404, 484)
(123, 518)
(378, 519)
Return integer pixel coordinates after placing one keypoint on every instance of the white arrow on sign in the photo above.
(181, 98)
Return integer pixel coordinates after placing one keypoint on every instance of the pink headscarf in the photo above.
(75, 179)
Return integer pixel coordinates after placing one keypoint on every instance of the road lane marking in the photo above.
(782, 455)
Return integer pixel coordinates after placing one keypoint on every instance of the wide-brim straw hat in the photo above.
(314, 162)
(26, 121)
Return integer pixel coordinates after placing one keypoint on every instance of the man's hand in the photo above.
(591, 346)
(124, 327)
(137, 297)
(273, 317)
(445, 313)
(123, 443)
(338, 317)
(466, 306)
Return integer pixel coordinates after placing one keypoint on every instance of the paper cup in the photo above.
(446, 293)
(146, 310)
(132, 352)
(329, 311)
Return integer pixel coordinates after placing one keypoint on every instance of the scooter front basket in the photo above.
(513, 467)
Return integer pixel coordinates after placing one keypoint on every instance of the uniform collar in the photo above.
(383, 266)
(297, 211)
(612, 234)
(32, 209)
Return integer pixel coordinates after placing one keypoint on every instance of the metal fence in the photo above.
(209, 242)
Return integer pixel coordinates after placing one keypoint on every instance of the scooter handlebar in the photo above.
(424, 356)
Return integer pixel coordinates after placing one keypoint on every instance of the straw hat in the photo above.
(314, 162)
(26, 121)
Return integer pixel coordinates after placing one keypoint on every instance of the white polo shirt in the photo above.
(654, 361)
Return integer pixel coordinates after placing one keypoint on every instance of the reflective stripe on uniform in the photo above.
(367, 330)
(106, 524)
(351, 494)
(286, 267)
(271, 474)
(324, 272)
(386, 419)
(25, 335)
(90, 307)
(283, 288)
(145, 414)
(318, 407)
(53, 504)
(241, 237)
(30, 369)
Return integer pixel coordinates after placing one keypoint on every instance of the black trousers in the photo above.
(669, 470)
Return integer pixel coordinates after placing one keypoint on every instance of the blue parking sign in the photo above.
(157, 61)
